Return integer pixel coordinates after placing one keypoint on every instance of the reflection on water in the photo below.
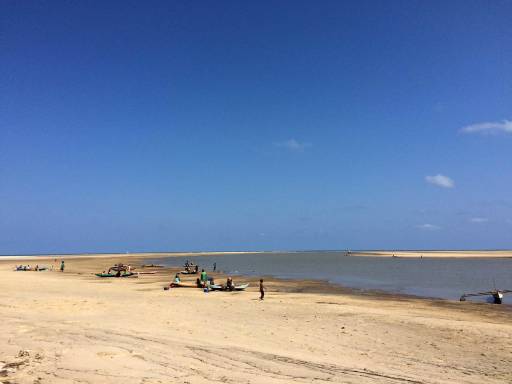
(444, 278)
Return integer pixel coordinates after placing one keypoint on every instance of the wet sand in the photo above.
(74, 327)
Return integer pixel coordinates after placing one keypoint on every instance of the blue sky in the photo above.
(155, 126)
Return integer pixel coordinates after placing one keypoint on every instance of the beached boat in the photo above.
(179, 285)
(151, 266)
(497, 295)
(131, 274)
(189, 272)
(217, 287)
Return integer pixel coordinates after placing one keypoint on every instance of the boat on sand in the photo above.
(497, 295)
(188, 272)
(179, 285)
(217, 287)
(130, 274)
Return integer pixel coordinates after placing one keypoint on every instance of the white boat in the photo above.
(217, 287)
(241, 287)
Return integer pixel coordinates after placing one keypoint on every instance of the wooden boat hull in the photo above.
(217, 287)
(105, 275)
(241, 287)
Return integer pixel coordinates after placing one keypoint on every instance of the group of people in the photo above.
(38, 268)
(25, 268)
(191, 267)
(205, 282)
(120, 269)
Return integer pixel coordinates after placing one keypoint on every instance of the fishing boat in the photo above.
(188, 272)
(179, 285)
(129, 274)
(496, 294)
(217, 287)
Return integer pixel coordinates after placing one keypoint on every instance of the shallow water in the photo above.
(445, 278)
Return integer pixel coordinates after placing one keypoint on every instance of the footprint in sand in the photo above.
(106, 354)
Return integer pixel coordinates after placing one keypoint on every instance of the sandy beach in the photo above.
(437, 254)
(73, 327)
(373, 253)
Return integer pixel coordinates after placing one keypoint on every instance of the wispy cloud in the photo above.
(489, 127)
(440, 181)
(478, 220)
(292, 145)
(428, 227)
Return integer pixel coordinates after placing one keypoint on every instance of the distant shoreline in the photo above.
(359, 253)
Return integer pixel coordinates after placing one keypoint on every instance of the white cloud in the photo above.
(292, 145)
(479, 220)
(440, 181)
(490, 127)
(429, 227)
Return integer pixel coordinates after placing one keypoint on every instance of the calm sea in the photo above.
(445, 278)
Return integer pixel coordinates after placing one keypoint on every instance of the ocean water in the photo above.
(446, 278)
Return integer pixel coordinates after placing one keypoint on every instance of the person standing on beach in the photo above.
(62, 266)
(214, 267)
(204, 278)
(262, 290)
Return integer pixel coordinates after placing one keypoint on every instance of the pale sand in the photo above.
(25, 258)
(377, 253)
(437, 254)
(79, 328)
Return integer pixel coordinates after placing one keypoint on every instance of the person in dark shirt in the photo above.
(229, 284)
(262, 290)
